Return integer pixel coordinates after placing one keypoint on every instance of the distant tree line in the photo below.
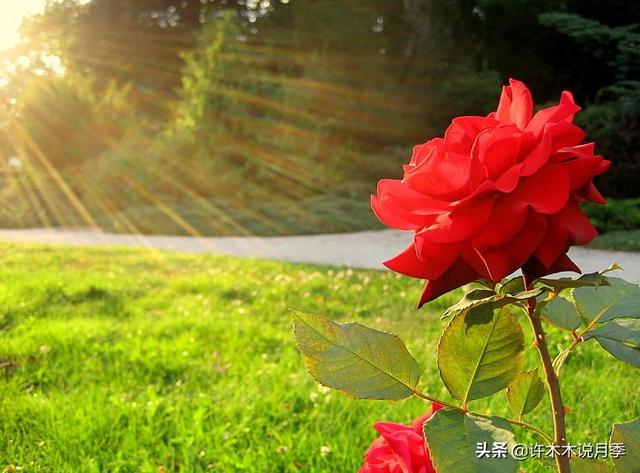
(219, 104)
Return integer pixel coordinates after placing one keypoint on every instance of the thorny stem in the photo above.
(557, 408)
(525, 425)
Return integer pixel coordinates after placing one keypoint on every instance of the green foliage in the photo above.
(525, 392)
(618, 298)
(560, 312)
(627, 433)
(621, 240)
(623, 214)
(595, 279)
(453, 438)
(581, 465)
(608, 308)
(364, 363)
(621, 338)
(40, 126)
(612, 121)
(475, 299)
(600, 40)
(480, 353)
(207, 76)
(247, 118)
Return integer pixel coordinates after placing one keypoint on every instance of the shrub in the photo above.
(615, 215)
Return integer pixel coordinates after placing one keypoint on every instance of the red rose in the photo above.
(495, 194)
(400, 449)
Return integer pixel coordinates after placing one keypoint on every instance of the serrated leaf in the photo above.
(480, 352)
(453, 437)
(619, 299)
(479, 297)
(525, 392)
(621, 338)
(560, 312)
(363, 362)
(596, 279)
(470, 300)
(627, 433)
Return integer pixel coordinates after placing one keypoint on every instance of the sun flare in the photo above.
(13, 13)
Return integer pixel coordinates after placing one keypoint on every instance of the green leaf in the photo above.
(619, 299)
(596, 279)
(512, 286)
(525, 295)
(627, 433)
(453, 438)
(470, 300)
(363, 362)
(581, 465)
(621, 338)
(480, 352)
(479, 297)
(560, 312)
(525, 392)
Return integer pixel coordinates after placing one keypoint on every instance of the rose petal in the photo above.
(566, 228)
(436, 257)
(460, 223)
(564, 111)
(555, 243)
(425, 150)
(400, 444)
(409, 199)
(565, 134)
(409, 264)
(497, 149)
(515, 104)
(534, 269)
(507, 217)
(581, 171)
(538, 156)
(591, 193)
(462, 132)
(501, 262)
(577, 223)
(546, 192)
(584, 150)
(458, 275)
(386, 429)
(395, 216)
(441, 176)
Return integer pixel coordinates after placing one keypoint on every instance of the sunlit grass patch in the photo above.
(135, 360)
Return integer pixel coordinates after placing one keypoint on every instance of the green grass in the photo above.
(120, 360)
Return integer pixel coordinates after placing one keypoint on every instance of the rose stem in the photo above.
(559, 430)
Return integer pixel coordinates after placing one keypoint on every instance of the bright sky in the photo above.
(13, 11)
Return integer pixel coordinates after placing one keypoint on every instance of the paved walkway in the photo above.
(358, 250)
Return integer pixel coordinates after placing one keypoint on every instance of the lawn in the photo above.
(122, 360)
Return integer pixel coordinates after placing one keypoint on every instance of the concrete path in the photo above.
(358, 250)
